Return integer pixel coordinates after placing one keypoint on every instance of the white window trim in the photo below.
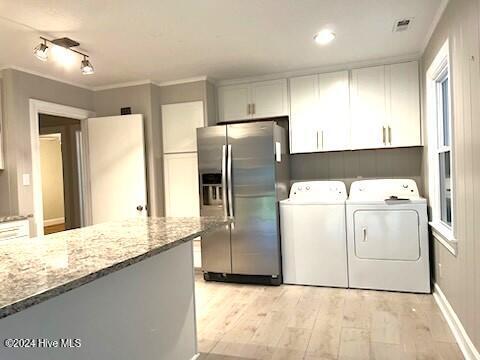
(442, 232)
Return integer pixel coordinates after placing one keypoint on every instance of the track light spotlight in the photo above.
(41, 51)
(86, 66)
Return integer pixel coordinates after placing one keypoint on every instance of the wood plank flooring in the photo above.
(300, 322)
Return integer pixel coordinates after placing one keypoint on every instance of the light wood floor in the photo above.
(299, 322)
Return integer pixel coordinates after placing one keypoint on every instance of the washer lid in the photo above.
(318, 192)
(395, 190)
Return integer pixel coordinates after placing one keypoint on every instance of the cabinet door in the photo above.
(180, 122)
(334, 111)
(2, 161)
(368, 109)
(404, 105)
(233, 102)
(181, 185)
(303, 114)
(269, 99)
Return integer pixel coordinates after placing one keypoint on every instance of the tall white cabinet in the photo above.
(319, 113)
(2, 160)
(179, 127)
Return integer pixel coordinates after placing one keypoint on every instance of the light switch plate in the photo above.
(26, 179)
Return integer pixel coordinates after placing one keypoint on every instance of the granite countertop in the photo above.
(37, 269)
(4, 219)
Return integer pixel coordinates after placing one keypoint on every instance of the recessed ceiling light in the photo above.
(324, 37)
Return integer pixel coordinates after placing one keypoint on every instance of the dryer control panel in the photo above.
(384, 189)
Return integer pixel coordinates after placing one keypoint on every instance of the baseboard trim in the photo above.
(195, 357)
(464, 342)
(56, 221)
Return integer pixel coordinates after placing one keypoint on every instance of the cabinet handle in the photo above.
(390, 135)
(322, 139)
(364, 234)
(317, 139)
(248, 109)
(384, 135)
(253, 109)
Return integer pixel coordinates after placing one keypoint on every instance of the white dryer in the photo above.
(313, 234)
(387, 236)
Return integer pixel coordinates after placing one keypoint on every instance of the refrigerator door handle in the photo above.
(224, 180)
(229, 178)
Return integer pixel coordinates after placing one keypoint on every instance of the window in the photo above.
(440, 147)
(444, 152)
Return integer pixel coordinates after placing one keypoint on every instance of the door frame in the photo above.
(43, 107)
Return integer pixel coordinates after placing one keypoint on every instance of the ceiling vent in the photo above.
(402, 24)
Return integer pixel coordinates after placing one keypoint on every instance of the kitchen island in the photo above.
(119, 290)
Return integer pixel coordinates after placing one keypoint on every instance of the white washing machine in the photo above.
(387, 236)
(313, 234)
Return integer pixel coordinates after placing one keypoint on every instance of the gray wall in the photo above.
(353, 165)
(459, 278)
(18, 88)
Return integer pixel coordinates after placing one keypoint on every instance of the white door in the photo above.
(368, 108)
(404, 105)
(179, 124)
(234, 102)
(334, 111)
(116, 157)
(269, 99)
(304, 120)
(181, 185)
(387, 235)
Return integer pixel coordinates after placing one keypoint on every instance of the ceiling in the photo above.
(165, 40)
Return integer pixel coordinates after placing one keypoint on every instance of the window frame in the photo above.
(437, 72)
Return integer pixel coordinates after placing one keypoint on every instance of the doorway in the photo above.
(61, 171)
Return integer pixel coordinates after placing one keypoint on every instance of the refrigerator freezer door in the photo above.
(212, 157)
(254, 234)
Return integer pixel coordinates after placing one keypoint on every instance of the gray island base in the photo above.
(114, 291)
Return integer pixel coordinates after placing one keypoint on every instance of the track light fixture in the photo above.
(86, 66)
(41, 52)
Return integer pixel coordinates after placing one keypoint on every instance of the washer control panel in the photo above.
(318, 190)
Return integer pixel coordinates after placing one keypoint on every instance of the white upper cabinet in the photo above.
(303, 114)
(368, 108)
(179, 123)
(319, 113)
(404, 105)
(253, 101)
(234, 102)
(334, 111)
(385, 106)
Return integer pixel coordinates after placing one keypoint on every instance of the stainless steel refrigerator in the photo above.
(243, 173)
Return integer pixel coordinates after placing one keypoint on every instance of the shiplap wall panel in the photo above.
(459, 277)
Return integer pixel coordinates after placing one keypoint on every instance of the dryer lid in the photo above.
(384, 189)
(318, 191)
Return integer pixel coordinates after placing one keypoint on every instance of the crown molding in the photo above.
(322, 69)
(122, 85)
(433, 25)
(183, 81)
(19, 68)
